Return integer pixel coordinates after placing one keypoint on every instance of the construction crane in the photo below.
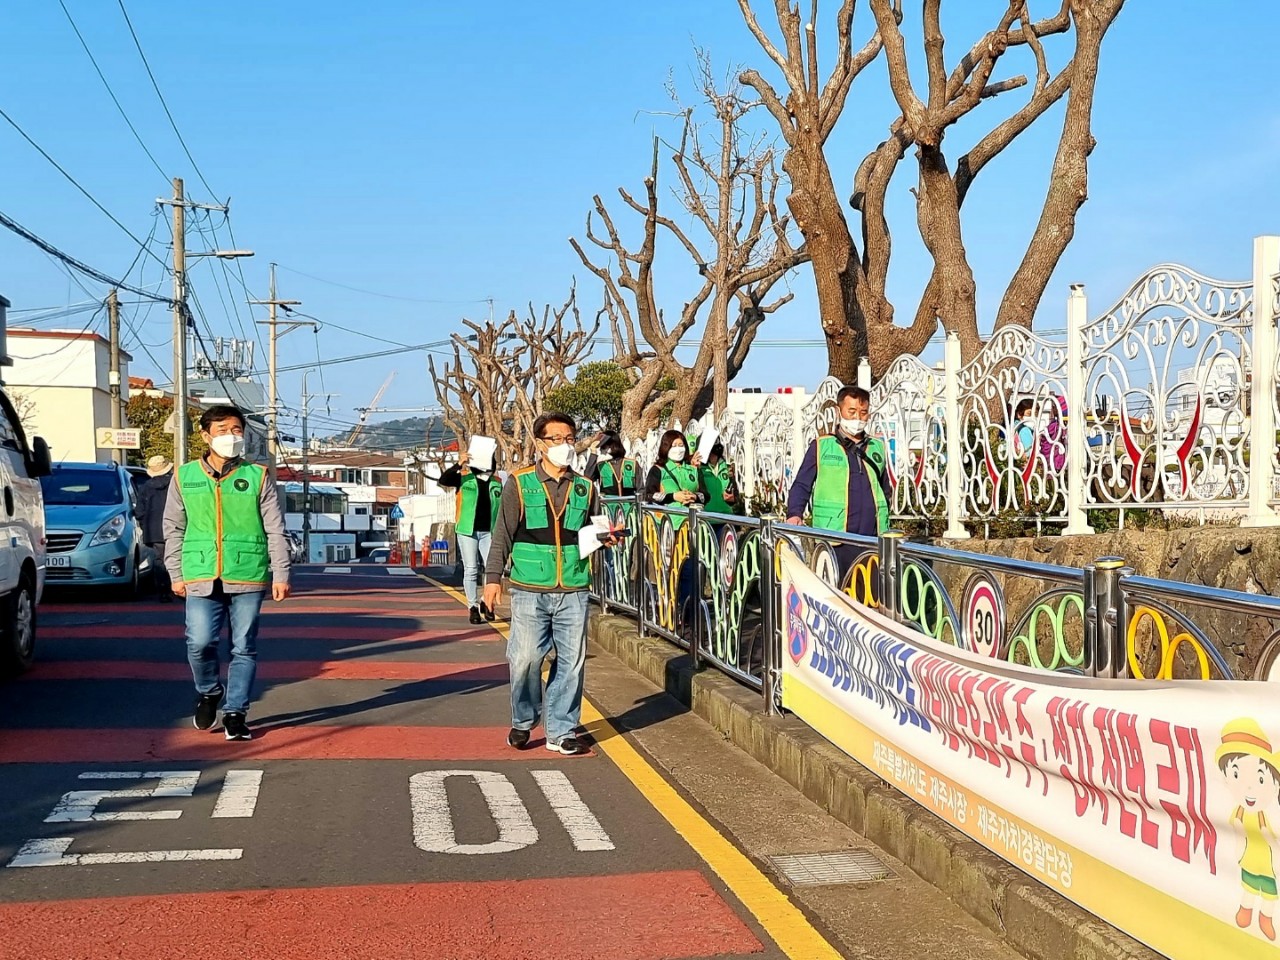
(365, 411)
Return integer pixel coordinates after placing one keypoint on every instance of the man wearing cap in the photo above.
(151, 500)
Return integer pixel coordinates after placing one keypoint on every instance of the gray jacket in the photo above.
(175, 528)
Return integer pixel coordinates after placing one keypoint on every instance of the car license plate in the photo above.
(57, 561)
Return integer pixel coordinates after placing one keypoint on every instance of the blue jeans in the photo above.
(206, 617)
(539, 622)
(475, 554)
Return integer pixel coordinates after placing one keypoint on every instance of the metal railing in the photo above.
(708, 583)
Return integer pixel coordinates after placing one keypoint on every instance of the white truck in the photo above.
(22, 539)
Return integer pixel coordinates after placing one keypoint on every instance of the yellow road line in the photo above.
(784, 922)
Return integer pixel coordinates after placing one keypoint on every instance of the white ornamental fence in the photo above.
(1160, 401)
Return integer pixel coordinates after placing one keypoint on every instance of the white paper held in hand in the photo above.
(705, 442)
(589, 535)
(480, 452)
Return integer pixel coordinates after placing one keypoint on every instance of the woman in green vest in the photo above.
(617, 474)
(721, 484)
(478, 497)
(673, 481)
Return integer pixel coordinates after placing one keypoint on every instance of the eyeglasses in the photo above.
(563, 438)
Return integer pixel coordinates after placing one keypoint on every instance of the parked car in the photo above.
(94, 538)
(376, 555)
(22, 539)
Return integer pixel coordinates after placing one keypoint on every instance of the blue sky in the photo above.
(444, 153)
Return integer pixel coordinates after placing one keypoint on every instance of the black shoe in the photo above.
(235, 727)
(207, 709)
(488, 614)
(569, 746)
(518, 738)
(475, 615)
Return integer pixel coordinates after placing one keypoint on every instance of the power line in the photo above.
(427, 347)
(74, 182)
(375, 293)
(14, 226)
(111, 92)
(137, 43)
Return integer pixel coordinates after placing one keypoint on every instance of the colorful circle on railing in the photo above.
(984, 624)
(667, 539)
(728, 556)
(1268, 667)
(797, 633)
(823, 563)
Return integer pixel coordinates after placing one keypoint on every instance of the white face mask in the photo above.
(228, 446)
(853, 427)
(561, 455)
(676, 454)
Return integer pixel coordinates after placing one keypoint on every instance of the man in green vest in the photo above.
(543, 509)
(478, 495)
(225, 547)
(845, 476)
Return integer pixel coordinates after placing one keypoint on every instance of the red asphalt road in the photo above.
(625, 916)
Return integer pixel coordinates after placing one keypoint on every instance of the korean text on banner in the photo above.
(1152, 806)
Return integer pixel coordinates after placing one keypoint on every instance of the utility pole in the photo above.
(306, 466)
(181, 428)
(306, 477)
(273, 442)
(113, 374)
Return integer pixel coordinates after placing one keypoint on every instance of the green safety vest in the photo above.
(675, 477)
(615, 482)
(831, 489)
(224, 539)
(544, 554)
(718, 480)
(468, 498)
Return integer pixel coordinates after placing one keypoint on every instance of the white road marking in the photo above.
(433, 821)
(579, 822)
(239, 796)
(79, 806)
(400, 572)
(337, 569)
(52, 852)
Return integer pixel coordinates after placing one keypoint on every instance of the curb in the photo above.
(1036, 921)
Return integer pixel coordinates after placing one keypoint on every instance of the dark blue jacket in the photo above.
(862, 505)
(151, 500)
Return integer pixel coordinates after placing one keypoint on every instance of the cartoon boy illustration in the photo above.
(1253, 778)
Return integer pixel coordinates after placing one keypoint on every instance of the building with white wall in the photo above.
(60, 383)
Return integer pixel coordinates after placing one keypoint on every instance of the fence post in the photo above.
(955, 469)
(1106, 619)
(768, 616)
(694, 630)
(864, 373)
(1077, 455)
(1262, 395)
(638, 581)
(889, 594)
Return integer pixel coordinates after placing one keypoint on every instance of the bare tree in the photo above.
(857, 317)
(728, 184)
(500, 374)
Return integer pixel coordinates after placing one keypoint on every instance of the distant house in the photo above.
(62, 379)
(370, 486)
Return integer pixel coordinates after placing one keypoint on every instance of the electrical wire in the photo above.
(137, 43)
(13, 225)
(73, 181)
(110, 92)
(374, 293)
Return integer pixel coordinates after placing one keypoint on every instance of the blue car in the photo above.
(92, 530)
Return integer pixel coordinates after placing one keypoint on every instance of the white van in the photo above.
(22, 539)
